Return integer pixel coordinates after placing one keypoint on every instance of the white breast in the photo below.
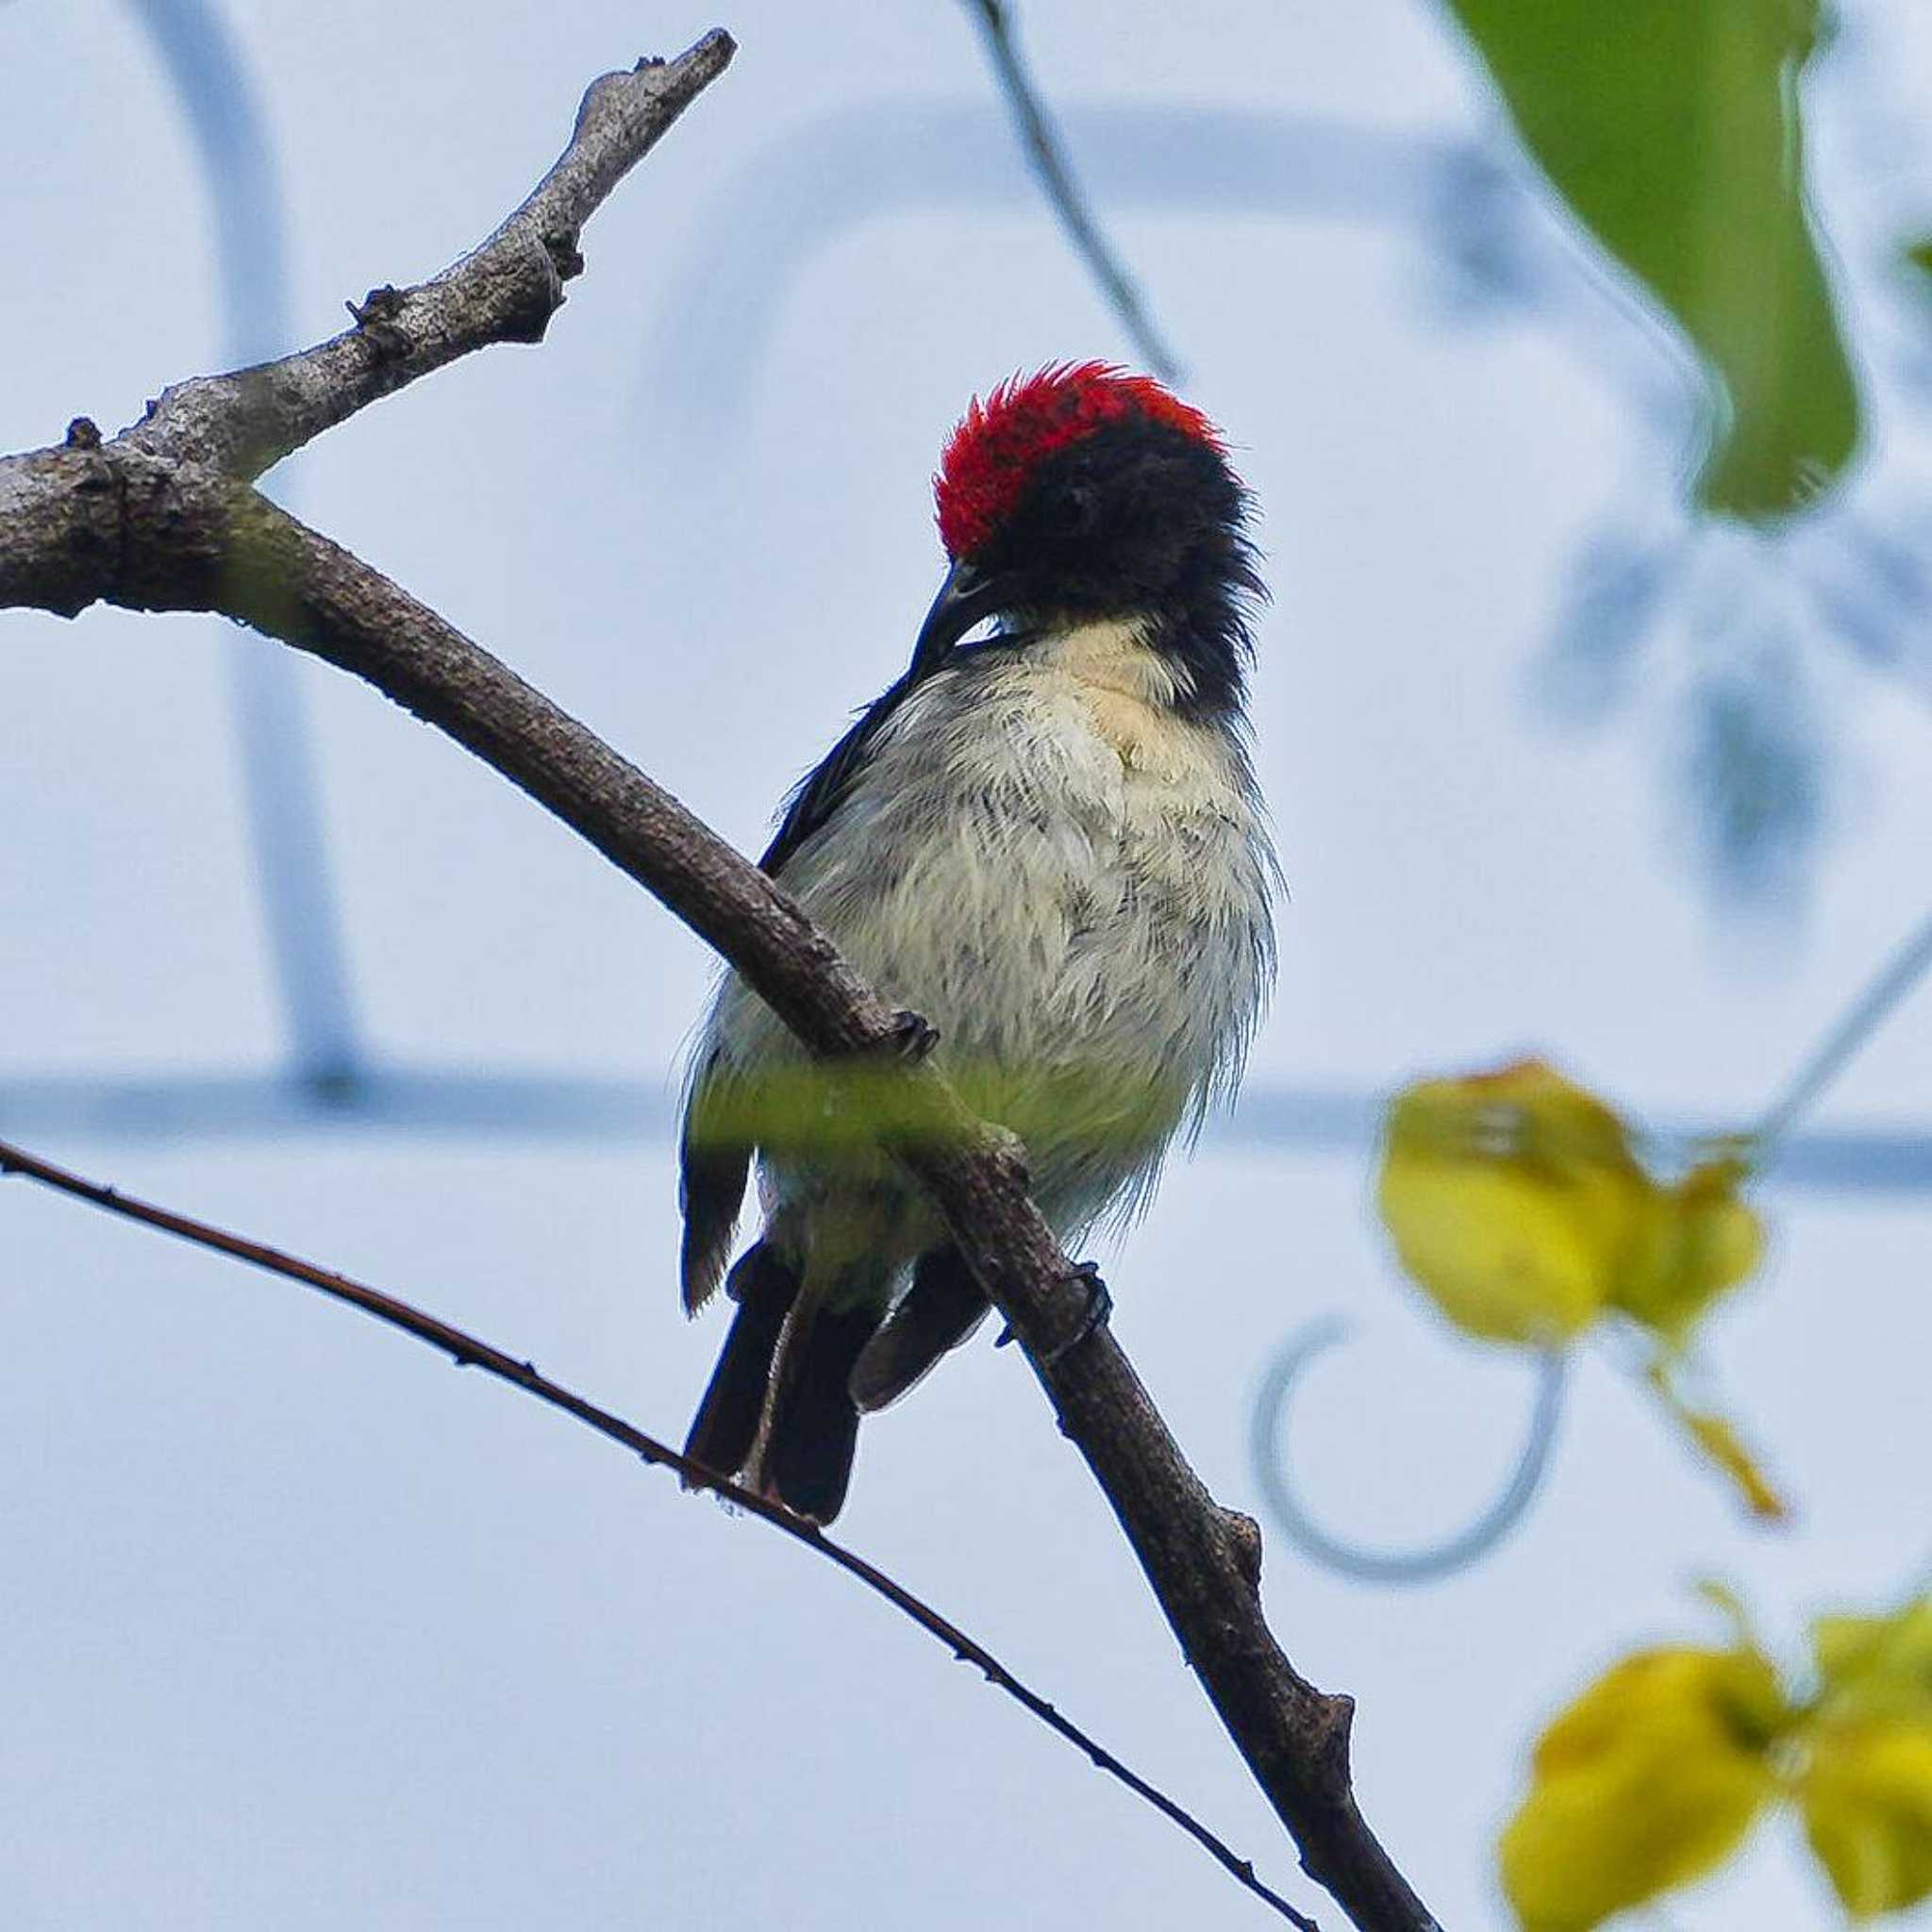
(1072, 883)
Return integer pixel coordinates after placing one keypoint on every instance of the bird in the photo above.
(1047, 841)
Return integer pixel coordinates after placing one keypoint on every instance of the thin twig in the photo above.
(1866, 1014)
(1047, 154)
(470, 1352)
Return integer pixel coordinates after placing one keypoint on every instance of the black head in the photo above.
(1088, 494)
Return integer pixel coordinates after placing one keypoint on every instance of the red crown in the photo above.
(990, 459)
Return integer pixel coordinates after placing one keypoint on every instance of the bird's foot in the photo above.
(911, 1038)
(1086, 1274)
(1093, 1317)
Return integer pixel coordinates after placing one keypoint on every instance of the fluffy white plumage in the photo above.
(1072, 883)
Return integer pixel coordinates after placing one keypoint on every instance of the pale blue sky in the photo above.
(300, 1628)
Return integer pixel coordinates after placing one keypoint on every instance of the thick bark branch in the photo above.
(163, 518)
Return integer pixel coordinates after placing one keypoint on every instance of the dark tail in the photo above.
(815, 1422)
(764, 1286)
(943, 1306)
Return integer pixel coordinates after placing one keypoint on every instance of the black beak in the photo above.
(965, 597)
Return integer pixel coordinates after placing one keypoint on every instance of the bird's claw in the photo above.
(1093, 1317)
(912, 1037)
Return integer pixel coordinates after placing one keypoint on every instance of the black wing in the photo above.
(820, 789)
(713, 1168)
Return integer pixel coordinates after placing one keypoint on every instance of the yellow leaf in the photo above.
(1697, 1239)
(1651, 1779)
(1867, 1797)
(1513, 1200)
(1873, 1667)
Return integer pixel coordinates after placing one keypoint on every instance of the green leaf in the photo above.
(1672, 128)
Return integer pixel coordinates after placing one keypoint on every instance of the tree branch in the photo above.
(505, 290)
(163, 517)
(1046, 154)
(470, 1352)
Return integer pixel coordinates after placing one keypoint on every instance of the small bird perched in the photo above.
(1048, 843)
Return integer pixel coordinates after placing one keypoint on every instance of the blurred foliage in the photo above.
(1755, 768)
(844, 1110)
(1517, 1203)
(1754, 758)
(1675, 132)
(1513, 1198)
(1651, 1779)
(1657, 1773)
(1614, 596)
(1672, 130)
